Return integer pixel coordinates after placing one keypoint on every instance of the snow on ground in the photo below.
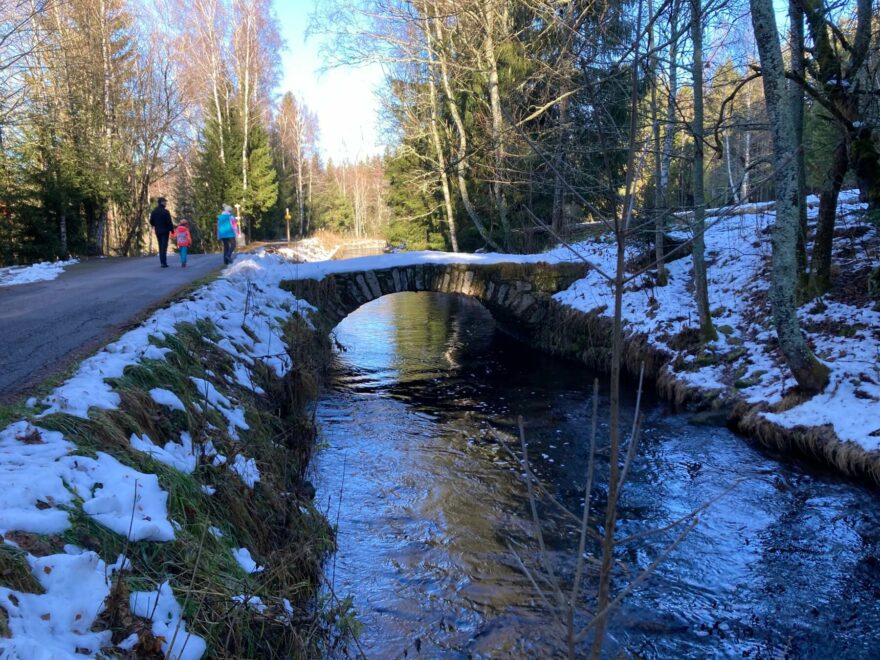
(181, 456)
(247, 469)
(247, 294)
(162, 608)
(308, 249)
(845, 337)
(43, 476)
(58, 623)
(254, 602)
(41, 272)
(234, 415)
(244, 559)
(167, 398)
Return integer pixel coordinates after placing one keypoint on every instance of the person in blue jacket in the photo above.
(226, 232)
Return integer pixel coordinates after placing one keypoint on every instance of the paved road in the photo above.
(45, 327)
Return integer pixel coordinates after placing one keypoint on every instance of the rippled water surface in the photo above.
(431, 507)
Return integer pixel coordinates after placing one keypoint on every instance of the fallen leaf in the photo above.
(31, 437)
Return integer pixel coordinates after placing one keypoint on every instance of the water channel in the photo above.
(416, 425)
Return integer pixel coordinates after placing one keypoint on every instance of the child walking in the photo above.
(183, 239)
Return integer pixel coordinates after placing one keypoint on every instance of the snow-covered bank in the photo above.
(156, 439)
(744, 363)
(41, 272)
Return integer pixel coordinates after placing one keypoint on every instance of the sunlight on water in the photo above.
(422, 401)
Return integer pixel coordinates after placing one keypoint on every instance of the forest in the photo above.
(512, 124)
(105, 105)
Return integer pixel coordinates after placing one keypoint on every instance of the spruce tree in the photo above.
(262, 191)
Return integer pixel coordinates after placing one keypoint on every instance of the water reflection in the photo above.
(431, 503)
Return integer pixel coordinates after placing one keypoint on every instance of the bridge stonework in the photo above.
(518, 295)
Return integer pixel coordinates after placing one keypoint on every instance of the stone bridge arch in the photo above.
(518, 295)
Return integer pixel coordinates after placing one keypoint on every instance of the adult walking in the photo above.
(160, 218)
(226, 232)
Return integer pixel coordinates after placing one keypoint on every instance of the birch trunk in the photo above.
(731, 182)
(810, 374)
(744, 191)
(438, 143)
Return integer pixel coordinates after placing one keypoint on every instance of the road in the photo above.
(48, 326)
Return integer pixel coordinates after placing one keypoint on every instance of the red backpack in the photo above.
(182, 236)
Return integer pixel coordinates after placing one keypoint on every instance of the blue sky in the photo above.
(343, 99)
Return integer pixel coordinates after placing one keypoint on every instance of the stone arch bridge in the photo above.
(518, 295)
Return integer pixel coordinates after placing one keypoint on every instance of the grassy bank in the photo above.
(245, 561)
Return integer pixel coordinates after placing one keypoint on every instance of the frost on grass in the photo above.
(58, 623)
(162, 608)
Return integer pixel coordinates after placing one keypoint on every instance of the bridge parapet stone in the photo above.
(373, 283)
(362, 284)
(518, 295)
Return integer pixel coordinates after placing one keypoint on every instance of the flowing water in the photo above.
(434, 517)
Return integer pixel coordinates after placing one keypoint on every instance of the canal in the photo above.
(433, 512)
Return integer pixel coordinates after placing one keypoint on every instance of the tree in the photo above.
(262, 191)
(297, 135)
(698, 225)
(810, 374)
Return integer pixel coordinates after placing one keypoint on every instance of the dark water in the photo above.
(786, 565)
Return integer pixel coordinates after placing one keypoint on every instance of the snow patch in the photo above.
(41, 272)
(167, 398)
(58, 623)
(180, 456)
(244, 559)
(162, 608)
(247, 469)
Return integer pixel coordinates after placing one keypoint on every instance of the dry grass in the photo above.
(277, 520)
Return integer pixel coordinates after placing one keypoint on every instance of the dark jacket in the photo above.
(160, 218)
